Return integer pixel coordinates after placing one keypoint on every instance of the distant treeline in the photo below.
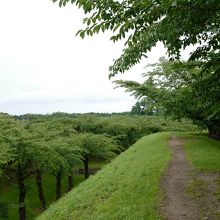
(125, 127)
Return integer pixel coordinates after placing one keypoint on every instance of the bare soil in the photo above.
(189, 194)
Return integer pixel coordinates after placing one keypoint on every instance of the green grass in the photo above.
(9, 192)
(93, 163)
(202, 152)
(127, 188)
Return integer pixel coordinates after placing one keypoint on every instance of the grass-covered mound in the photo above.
(127, 188)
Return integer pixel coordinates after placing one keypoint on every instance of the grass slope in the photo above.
(127, 188)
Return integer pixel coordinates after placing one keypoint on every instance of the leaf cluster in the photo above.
(49, 145)
(183, 89)
(177, 24)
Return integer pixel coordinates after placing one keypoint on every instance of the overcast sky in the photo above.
(44, 68)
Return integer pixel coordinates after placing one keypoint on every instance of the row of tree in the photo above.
(126, 129)
(34, 144)
(29, 149)
(191, 88)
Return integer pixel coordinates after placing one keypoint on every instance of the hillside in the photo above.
(141, 184)
(127, 188)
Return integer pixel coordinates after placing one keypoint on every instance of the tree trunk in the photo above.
(214, 131)
(70, 181)
(58, 185)
(40, 189)
(86, 167)
(22, 191)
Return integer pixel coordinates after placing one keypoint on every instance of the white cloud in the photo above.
(44, 68)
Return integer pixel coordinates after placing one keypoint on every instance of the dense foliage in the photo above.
(32, 148)
(145, 105)
(177, 24)
(181, 89)
(125, 128)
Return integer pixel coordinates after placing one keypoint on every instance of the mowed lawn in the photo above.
(127, 188)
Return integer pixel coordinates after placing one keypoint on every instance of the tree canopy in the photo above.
(175, 23)
(97, 145)
(6, 152)
(183, 90)
(178, 24)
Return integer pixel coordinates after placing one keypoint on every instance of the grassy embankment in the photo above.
(127, 188)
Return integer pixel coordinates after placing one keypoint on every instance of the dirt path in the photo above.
(188, 194)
